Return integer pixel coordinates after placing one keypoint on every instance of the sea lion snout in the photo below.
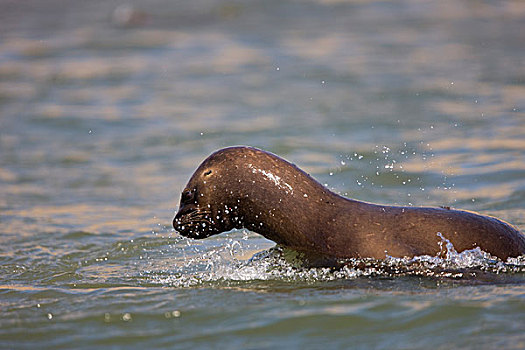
(188, 209)
(179, 216)
(193, 221)
(182, 222)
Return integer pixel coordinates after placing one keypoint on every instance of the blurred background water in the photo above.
(107, 107)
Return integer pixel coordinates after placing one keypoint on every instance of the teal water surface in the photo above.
(107, 107)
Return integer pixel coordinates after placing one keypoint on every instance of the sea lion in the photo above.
(245, 187)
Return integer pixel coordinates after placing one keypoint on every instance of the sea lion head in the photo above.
(244, 187)
(209, 202)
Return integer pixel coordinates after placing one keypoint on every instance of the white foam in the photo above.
(229, 263)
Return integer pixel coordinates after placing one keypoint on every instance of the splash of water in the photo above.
(228, 263)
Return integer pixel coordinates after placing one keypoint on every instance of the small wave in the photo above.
(228, 263)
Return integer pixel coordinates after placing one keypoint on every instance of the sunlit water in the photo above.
(106, 109)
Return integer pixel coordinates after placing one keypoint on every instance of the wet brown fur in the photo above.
(246, 187)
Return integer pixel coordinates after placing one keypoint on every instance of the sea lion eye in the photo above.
(188, 195)
(208, 173)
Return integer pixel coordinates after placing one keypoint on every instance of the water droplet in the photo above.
(126, 317)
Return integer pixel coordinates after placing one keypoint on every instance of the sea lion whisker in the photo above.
(195, 217)
(200, 217)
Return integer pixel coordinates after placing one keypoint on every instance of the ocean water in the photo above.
(107, 107)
